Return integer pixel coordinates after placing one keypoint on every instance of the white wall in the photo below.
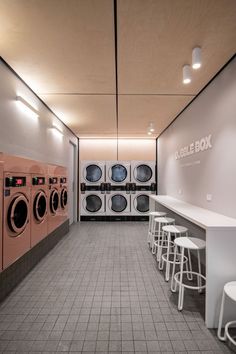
(26, 136)
(209, 172)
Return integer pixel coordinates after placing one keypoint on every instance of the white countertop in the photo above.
(202, 217)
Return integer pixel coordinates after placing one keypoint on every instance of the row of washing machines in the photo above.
(33, 203)
(116, 188)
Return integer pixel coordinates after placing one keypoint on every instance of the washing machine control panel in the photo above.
(53, 180)
(63, 180)
(38, 181)
(15, 181)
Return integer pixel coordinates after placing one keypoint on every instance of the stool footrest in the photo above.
(230, 338)
(193, 287)
(164, 257)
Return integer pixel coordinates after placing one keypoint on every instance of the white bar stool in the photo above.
(189, 243)
(159, 222)
(151, 227)
(176, 231)
(230, 291)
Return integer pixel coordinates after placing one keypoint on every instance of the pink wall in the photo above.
(128, 149)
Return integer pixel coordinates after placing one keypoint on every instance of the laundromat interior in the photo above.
(117, 176)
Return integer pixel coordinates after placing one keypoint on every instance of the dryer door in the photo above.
(93, 173)
(54, 201)
(93, 203)
(64, 198)
(141, 203)
(40, 206)
(143, 173)
(18, 214)
(118, 203)
(118, 173)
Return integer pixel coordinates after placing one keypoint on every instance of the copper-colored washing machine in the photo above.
(53, 199)
(63, 196)
(1, 211)
(39, 205)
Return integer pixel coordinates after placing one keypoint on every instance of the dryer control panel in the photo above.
(15, 181)
(63, 180)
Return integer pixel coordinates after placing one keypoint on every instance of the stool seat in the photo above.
(230, 290)
(175, 229)
(157, 213)
(191, 243)
(163, 220)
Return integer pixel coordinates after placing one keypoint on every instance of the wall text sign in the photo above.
(202, 144)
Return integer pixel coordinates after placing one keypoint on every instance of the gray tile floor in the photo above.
(99, 290)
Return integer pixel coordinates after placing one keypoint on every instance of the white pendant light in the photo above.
(151, 127)
(187, 77)
(196, 58)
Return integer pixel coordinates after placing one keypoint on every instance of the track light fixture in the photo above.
(150, 128)
(26, 107)
(187, 77)
(196, 58)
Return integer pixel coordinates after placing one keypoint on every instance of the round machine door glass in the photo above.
(93, 203)
(118, 203)
(143, 173)
(118, 173)
(142, 203)
(93, 173)
(18, 214)
(54, 201)
(40, 206)
(64, 198)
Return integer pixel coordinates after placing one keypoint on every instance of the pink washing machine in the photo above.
(16, 208)
(1, 211)
(61, 173)
(54, 219)
(39, 203)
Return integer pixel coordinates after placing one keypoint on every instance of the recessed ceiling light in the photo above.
(187, 77)
(196, 58)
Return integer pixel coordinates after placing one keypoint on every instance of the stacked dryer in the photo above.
(118, 196)
(143, 175)
(1, 211)
(92, 198)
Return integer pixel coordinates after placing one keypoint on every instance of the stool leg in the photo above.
(167, 277)
(161, 263)
(181, 288)
(153, 240)
(199, 279)
(173, 285)
(189, 276)
(159, 243)
(149, 230)
(223, 338)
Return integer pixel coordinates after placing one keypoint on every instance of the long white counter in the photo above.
(220, 233)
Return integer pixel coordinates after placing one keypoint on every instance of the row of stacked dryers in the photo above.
(33, 203)
(116, 190)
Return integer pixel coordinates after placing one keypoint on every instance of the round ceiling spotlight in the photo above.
(151, 127)
(187, 77)
(196, 58)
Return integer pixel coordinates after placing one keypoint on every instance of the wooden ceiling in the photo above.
(65, 51)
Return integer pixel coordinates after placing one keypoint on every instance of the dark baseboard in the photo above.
(13, 275)
(113, 218)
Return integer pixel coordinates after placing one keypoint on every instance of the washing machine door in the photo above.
(93, 173)
(143, 173)
(18, 214)
(54, 201)
(118, 203)
(93, 203)
(141, 203)
(64, 198)
(40, 206)
(118, 173)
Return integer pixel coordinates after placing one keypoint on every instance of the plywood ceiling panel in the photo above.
(60, 45)
(86, 115)
(156, 38)
(65, 51)
(137, 111)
